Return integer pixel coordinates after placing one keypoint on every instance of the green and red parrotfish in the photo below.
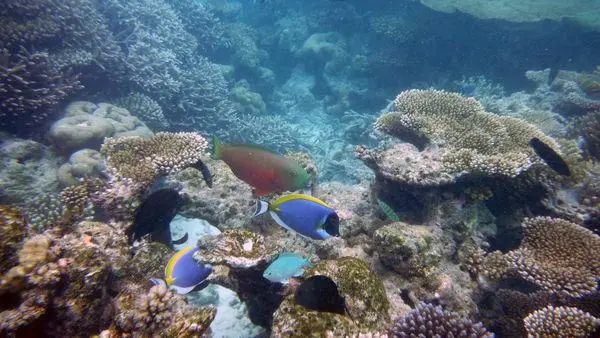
(263, 169)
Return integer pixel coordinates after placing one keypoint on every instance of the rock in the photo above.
(410, 250)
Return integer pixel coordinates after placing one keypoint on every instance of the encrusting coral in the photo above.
(427, 320)
(559, 256)
(472, 139)
(562, 321)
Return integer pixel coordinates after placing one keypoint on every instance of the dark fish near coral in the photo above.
(320, 293)
(261, 168)
(206, 174)
(304, 214)
(154, 216)
(550, 157)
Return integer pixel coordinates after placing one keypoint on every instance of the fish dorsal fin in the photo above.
(293, 197)
(171, 265)
(253, 146)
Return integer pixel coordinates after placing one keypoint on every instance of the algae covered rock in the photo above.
(408, 249)
(367, 304)
(295, 321)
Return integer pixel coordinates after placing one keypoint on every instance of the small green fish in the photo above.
(388, 211)
(286, 266)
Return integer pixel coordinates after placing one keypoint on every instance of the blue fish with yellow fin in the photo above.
(286, 266)
(183, 273)
(304, 214)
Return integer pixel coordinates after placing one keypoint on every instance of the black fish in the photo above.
(206, 174)
(320, 293)
(552, 159)
(154, 216)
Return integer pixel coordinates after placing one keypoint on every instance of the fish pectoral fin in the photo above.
(181, 240)
(182, 290)
(299, 273)
(158, 281)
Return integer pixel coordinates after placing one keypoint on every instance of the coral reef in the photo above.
(560, 322)
(146, 109)
(235, 248)
(588, 126)
(427, 320)
(558, 256)
(30, 89)
(160, 311)
(27, 171)
(144, 160)
(12, 225)
(472, 139)
(362, 290)
(86, 125)
(408, 249)
(84, 163)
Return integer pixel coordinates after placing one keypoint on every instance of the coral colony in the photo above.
(377, 168)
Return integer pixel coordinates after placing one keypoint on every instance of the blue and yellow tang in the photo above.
(286, 266)
(183, 273)
(304, 214)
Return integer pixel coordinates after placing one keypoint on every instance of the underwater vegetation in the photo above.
(378, 168)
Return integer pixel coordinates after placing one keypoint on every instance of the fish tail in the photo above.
(261, 207)
(216, 148)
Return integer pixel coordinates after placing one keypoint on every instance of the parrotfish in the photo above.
(286, 266)
(154, 215)
(550, 157)
(304, 214)
(183, 273)
(263, 169)
(320, 293)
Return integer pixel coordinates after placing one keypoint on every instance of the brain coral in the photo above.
(473, 140)
(559, 256)
(560, 321)
(427, 320)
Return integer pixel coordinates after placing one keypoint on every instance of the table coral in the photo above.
(560, 321)
(144, 160)
(473, 140)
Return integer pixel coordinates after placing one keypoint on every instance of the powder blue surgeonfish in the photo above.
(183, 273)
(304, 214)
(286, 266)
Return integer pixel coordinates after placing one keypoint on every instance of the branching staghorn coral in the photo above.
(588, 126)
(144, 107)
(559, 256)
(427, 320)
(560, 321)
(472, 139)
(30, 89)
